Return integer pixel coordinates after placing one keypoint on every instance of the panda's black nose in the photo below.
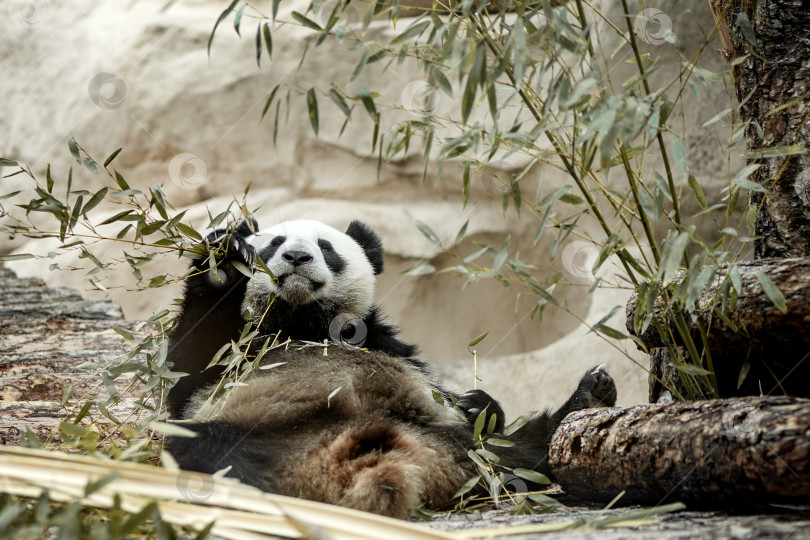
(296, 257)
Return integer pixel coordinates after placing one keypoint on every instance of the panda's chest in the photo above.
(308, 387)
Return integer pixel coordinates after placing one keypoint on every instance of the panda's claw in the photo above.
(247, 227)
(473, 402)
(597, 369)
(232, 242)
(596, 389)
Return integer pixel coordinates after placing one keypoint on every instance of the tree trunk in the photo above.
(773, 88)
(712, 453)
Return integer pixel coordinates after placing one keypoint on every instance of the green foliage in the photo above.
(532, 79)
(527, 80)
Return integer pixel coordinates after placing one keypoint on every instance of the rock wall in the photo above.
(137, 76)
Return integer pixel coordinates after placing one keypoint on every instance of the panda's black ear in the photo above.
(369, 241)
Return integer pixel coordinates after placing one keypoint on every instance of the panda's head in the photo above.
(315, 266)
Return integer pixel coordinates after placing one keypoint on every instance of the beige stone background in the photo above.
(136, 75)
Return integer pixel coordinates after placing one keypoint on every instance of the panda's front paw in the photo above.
(231, 244)
(596, 389)
(473, 402)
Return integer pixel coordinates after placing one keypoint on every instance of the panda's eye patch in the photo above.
(334, 261)
(270, 249)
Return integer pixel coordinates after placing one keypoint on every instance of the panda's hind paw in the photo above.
(473, 402)
(597, 389)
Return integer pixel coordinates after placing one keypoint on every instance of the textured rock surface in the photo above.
(45, 335)
(137, 76)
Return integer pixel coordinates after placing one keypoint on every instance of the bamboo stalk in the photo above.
(28, 472)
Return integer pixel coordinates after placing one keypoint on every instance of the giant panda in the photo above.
(355, 422)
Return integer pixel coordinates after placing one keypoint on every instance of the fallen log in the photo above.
(707, 453)
(758, 349)
(755, 319)
(46, 334)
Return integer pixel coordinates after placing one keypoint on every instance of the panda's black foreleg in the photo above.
(211, 312)
(532, 440)
(222, 445)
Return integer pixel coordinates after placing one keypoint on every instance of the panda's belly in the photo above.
(351, 428)
(311, 389)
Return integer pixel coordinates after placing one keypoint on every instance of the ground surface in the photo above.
(47, 334)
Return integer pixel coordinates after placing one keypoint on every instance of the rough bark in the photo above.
(775, 74)
(45, 335)
(768, 347)
(709, 453)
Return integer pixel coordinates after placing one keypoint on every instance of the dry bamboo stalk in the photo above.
(28, 472)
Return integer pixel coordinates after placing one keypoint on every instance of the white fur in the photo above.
(351, 291)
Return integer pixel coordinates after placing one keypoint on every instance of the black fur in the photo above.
(332, 259)
(220, 444)
(369, 241)
(211, 317)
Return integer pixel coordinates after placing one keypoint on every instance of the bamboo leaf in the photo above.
(222, 17)
(610, 332)
(259, 45)
(410, 33)
(776, 151)
(468, 98)
(312, 107)
(360, 66)
(120, 181)
(772, 292)
(519, 422)
(111, 157)
(74, 150)
(420, 270)
(126, 334)
(309, 23)
(691, 369)
(269, 101)
(461, 232)
(503, 443)
(465, 185)
(95, 200)
(532, 476)
(699, 195)
(442, 81)
(268, 39)
(478, 340)
(468, 485)
(338, 99)
(673, 254)
(368, 103)
(237, 20)
(16, 257)
(428, 233)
